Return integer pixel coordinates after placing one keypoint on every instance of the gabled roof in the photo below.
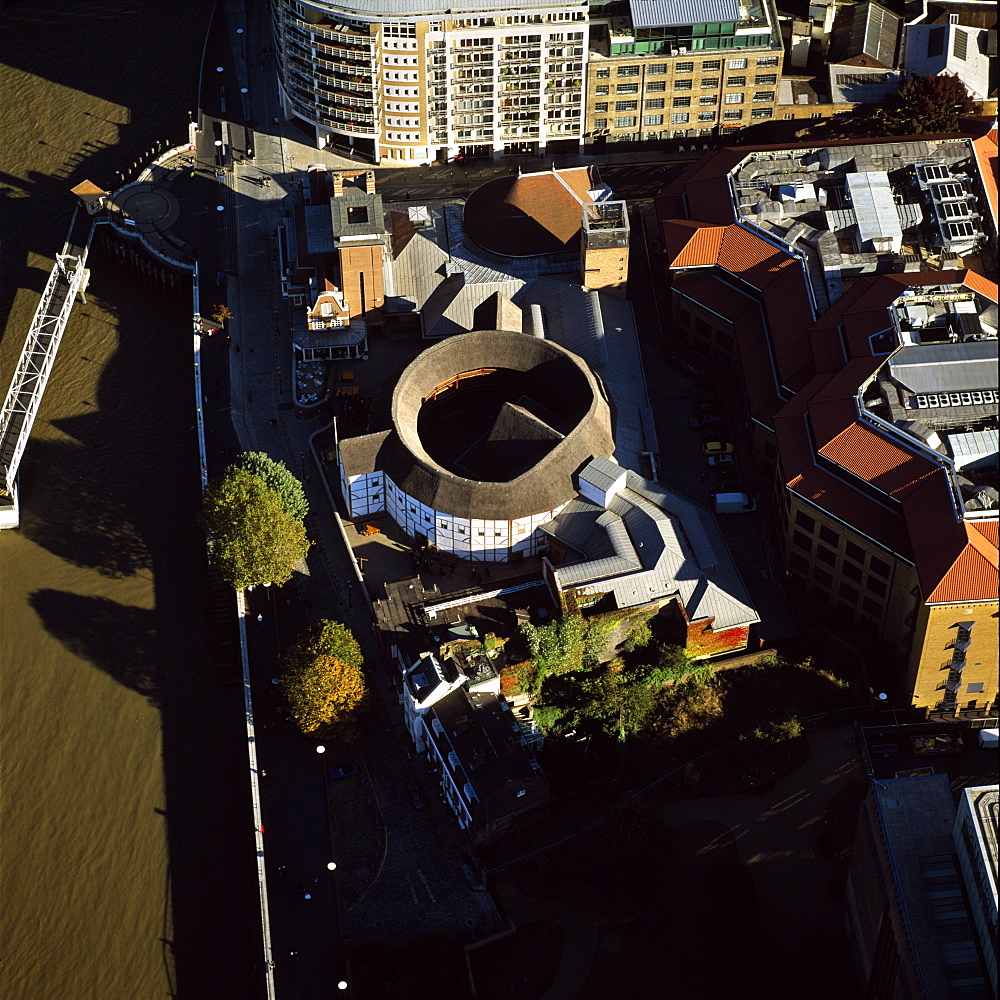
(973, 575)
(865, 453)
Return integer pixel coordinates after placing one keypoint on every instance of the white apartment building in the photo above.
(412, 80)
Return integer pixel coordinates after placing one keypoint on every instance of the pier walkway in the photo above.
(67, 279)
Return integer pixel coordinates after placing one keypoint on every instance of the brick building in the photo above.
(810, 278)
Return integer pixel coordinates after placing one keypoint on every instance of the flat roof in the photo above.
(671, 13)
(874, 206)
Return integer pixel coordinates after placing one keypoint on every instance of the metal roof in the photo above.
(974, 448)
(874, 207)
(319, 229)
(653, 544)
(672, 13)
(960, 367)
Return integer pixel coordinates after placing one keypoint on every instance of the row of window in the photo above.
(653, 69)
(824, 580)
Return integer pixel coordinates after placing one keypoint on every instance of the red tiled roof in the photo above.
(986, 154)
(874, 458)
(988, 529)
(973, 576)
(689, 243)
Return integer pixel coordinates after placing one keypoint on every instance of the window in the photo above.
(656, 86)
(714, 99)
(683, 84)
(602, 106)
(682, 102)
(709, 82)
(628, 70)
(657, 69)
(730, 115)
(823, 554)
(880, 567)
(625, 122)
(871, 607)
(828, 535)
(855, 552)
(822, 578)
(600, 123)
(876, 586)
(706, 116)
(804, 521)
(679, 119)
(765, 79)
(627, 106)
(816, 114)
(767, 61)
(799, 563)
(849, 592)
(737, 64)
(960, 44)
(603, 74)
(734, 98)
(788, 118)
(852, 572)
(802, 541)
(655, 104)
(627, 88)
(710, 64)
(763, 96)
(652, 120)
(602, 90)
(736, 81)
(684, 67)
(974, 689)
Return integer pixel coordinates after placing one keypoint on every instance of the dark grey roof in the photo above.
(357, 214)
(960, 367)
(671, 13)
(916, 816)
(865, 29)
(518, 439)
(489, 743)
(545, 486)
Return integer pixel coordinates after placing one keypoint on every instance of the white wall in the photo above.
(973, 70)
(477, 539)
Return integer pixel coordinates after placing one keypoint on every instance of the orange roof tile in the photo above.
(973, 576)
(689, 243)
(872, 457)
(986, 155)
(988, 528)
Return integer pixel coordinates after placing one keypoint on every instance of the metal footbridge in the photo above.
(66, 281)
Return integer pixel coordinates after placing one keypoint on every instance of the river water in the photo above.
(118, 816)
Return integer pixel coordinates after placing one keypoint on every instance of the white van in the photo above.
(733, 503)
(988, 738)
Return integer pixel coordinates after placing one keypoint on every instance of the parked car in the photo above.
(723, 460)
(733, 503)
(706, 407)
(415, 797)
(717, 448)
(705, 420)
(343, 771)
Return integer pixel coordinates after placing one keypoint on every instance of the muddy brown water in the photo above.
(120, 820)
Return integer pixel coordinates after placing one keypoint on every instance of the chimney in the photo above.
(338, 183)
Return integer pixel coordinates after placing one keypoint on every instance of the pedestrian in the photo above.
(263, 772)
(308, 895)
(260, 618)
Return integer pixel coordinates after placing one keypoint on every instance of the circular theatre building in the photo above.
(480, 443)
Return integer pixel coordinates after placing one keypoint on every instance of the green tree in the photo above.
(322, 680)
(278, 478)
(254, 538)
(926, 104)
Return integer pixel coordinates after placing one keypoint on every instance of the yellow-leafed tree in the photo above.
(323, 682)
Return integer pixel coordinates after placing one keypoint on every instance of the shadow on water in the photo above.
(120, 640)
(114, 488)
